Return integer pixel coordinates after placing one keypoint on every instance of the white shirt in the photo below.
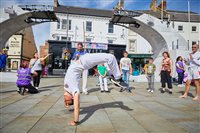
(196, 60)
(125, 63)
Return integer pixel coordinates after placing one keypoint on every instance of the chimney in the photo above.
(153, 6)
(56, 4)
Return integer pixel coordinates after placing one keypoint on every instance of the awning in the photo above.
(139, 55)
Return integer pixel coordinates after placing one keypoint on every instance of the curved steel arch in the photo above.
(17, 23)
(155, 39)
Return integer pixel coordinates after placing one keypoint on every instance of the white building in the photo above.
(92, 25)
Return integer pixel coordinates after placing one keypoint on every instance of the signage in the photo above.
(15, 45)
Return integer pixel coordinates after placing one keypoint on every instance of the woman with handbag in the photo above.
(36, 68)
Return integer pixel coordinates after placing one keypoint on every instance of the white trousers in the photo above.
(103, 83)
(84, 80)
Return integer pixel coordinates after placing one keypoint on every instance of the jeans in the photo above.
(166, 78)
(151, 81)
(126, 77)
(180, 78)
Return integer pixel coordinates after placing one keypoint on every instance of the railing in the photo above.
(36, 7)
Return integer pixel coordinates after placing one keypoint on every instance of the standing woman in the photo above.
(166, 72)
(36, 68)
(180, 70)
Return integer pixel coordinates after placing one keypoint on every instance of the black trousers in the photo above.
(30, 88)
(166, 78)
(36, 79)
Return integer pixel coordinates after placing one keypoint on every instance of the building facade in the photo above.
(21, 47)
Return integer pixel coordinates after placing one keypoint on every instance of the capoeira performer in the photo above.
(72, 78)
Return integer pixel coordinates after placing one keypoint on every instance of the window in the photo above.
(57, 37)
(194, 28)
(180, 28)
(70, 25)
(110, 41)
(88, 26)
(110, 28)
(64, 38)
(132, 45)
(64, 24)
(58, 24)
(88, 39)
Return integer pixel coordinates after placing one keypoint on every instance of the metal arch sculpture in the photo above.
(27, 19)
(128, 19)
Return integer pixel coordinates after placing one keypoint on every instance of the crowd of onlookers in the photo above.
(188, 71)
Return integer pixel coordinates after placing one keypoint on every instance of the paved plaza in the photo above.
(115, 112)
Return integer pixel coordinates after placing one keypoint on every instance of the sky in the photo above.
(41, 31)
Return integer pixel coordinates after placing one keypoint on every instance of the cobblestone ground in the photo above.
(114, 112)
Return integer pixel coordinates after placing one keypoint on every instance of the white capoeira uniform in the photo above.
(85, 62)
(194, 66)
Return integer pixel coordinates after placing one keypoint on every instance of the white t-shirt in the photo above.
(35, 65)
(125, 63)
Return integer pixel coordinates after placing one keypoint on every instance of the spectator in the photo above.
(24, 80)
(3, 58)
(166, 72)
(149, 71)
(36, 68)
(180, 70)
(80, 51)
(102, 78)
(126, 69)
(193, 62)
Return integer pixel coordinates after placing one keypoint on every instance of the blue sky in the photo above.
(42, 31)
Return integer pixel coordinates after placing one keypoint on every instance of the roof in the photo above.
(83, 11)
(175, 15)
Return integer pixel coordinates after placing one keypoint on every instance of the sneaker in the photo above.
(170, 91)
(37, 88)
(86, 93)
(148, 90)
(152, 91)
(102, 91)
(129, 91)
(118, 82)
(107, 91)
(121, 90)
(162, 90)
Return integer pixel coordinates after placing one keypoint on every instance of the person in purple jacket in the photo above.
(180, 70)
(24, 80)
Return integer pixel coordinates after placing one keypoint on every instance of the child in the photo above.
(24, 80)
(126, 69)
(149, 71)
(102, 78)
(180, 70)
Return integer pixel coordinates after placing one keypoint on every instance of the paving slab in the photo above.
(114, 112)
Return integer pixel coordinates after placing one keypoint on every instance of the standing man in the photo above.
(80, 51)
(193, 62)
(126, 69)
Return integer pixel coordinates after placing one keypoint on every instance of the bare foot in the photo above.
(183, 96)
(196, 98)
(72, 123)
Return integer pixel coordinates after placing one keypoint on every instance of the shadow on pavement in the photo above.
(89, 111)
(52, 86)
(189, 94)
